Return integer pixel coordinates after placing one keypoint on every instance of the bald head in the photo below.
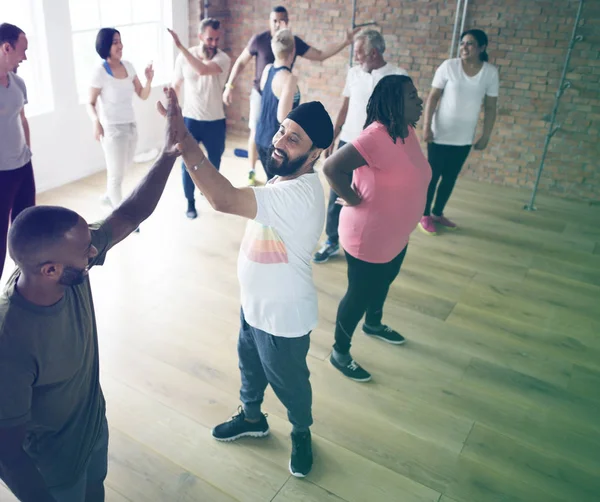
(37, 232)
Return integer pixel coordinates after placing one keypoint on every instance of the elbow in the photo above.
(328, 168)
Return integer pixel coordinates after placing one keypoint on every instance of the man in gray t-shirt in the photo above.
(17, 187)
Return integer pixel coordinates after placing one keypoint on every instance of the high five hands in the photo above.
(175, 129)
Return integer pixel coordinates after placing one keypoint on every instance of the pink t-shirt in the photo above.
(393, 187)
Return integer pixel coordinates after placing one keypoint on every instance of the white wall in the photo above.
(62, 142)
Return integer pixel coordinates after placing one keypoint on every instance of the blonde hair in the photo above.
(283, 43)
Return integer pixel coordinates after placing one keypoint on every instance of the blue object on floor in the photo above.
(240, 152)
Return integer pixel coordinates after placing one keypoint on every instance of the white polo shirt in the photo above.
(202, 94)
(359, 87)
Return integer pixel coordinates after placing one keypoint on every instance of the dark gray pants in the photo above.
(333, 213)
(280, 362)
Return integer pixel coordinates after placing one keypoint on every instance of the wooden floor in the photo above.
(495, 397)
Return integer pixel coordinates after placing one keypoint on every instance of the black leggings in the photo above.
(446, 161)
(368, 286)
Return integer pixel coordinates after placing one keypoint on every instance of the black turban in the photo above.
(315, 121)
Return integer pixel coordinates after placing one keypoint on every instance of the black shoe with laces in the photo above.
(302, 457)
(384, 333)
(352, 370)
(328, 250)
(239, 427)
(191, 212)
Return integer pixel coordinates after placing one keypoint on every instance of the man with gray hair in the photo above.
(370, 68)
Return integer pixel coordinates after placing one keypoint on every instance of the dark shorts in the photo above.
(94, 473)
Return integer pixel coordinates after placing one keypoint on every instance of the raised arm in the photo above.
(18, 470)
(489, 119)
(338, 171)
(286, 101)
(144, 92)
(143, 200)
(202, 68)
(432, 102)
(238, 67)
(314, 54)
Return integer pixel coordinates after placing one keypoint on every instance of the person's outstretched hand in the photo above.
(175, 130)
(178, 43)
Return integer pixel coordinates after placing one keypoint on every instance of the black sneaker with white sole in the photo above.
(384, 333)
(239, 427)
(302, 456)
(328, 250)
(352, 370)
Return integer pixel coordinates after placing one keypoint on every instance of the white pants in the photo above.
(119, 144)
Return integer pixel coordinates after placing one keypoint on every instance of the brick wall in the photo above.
(528, 43)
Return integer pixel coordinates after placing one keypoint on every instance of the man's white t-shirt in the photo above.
(116, 96)
(455, 120)
(274, 265)
(202, 94)
(359, 87)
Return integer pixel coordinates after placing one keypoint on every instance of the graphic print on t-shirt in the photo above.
(262, 244)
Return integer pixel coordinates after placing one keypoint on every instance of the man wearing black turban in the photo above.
(278, 296)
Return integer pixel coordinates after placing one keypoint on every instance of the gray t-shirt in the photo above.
(49, 374)
(14, 152)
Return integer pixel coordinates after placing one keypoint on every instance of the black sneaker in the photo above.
(239, 427)
(302, 457)
(327, 251)
(191, 212)
(384, 333)
(352, 370)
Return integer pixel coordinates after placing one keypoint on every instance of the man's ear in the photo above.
(316, 153)
(51, 271)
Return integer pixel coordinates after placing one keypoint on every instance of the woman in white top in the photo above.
(114, 82)
(460, 86)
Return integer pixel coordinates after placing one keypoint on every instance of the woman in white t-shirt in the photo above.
(114, 82)
(460, 86)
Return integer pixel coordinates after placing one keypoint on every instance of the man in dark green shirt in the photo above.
(53, 430)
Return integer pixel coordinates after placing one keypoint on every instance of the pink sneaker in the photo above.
(427, 225)
(445, 222)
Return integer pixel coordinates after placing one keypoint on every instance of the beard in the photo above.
(208, 52)
(72, 276)
(287, 166)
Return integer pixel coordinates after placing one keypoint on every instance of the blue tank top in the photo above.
(268, 124)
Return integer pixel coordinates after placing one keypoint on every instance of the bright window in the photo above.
(29, 16)
(142, 24)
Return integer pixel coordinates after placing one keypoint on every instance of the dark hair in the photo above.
(215, 24)
(104, 41)
(36, 229)
(482, 40)
(10, 33)
(386, 105)
(280, 9)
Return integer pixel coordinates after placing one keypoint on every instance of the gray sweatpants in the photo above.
(280, 362)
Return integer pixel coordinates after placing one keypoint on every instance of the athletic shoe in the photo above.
(191, 212)
(384, 333)
(251, 178)
(445, 222)
(239, 427)
(327, 251)
(302, 456)
(352, 370)
(427, 225)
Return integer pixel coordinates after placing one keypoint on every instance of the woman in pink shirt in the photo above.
(382, 179)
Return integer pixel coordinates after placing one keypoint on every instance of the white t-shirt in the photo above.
(274, 265)
(14, 152)
(202, 94)
(359, 87)
(116, 97)
(455, 120)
